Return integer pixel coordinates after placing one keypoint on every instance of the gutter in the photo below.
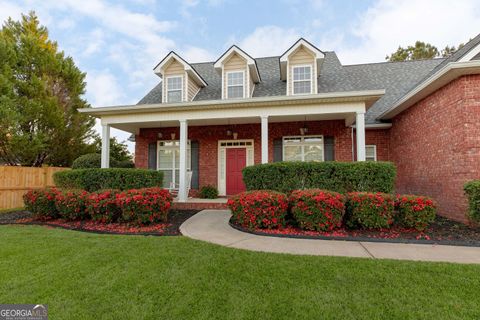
(374, 126)
(368, 96)
(442, 77)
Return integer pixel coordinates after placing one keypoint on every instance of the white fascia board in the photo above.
(302, 42)
(375, 126)
(250, 62)
(159, 68)
(442, 77)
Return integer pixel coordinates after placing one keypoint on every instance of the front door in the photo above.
(236, 161)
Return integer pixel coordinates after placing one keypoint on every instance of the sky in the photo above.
(117, 43)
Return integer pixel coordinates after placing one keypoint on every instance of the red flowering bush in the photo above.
(415, 211)
(316, 209)
(72, 204)
(102, 206)
(41, 202)
(144, 206)
(259, 209)
(369, 210)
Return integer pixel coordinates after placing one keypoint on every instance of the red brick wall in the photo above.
(208, 140)
(436, 145)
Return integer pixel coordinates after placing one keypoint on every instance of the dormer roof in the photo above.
(172, 56)
(251, 63)
(317, 53)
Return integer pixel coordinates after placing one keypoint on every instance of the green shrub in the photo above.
(335, 176)
(41, 202)
(472, 190)
(208, 192)
(368, 210)
(259, 209)
(91, 160)
(414, 211)
(102, 179)
(316, 209)
(72, 204)
(125, 164)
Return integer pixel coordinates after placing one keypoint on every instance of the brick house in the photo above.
(212, 119)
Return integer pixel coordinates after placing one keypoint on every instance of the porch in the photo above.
(215, 141)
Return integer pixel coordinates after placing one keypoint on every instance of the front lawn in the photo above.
(88, 276)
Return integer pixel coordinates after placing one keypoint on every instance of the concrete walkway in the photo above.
(212, 226)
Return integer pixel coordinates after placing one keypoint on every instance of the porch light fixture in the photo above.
(235, 135)
(172, 136)
(304, 129)
(159, 135)
(229, 132)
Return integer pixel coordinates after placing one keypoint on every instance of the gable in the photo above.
(301, 56)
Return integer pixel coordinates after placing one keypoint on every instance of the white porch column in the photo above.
(360, 131)
(182, 190)
(264, 139)
(105, 155)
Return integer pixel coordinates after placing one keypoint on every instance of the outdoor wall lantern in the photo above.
(159, 135)
(172, 136)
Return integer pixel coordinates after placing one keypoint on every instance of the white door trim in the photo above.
(222, 163)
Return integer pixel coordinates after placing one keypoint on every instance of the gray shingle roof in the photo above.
(397, 78)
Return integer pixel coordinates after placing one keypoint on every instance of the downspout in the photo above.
(353, 147)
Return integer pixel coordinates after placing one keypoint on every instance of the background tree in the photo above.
(40, 93)
(118, 150)
(421, 50)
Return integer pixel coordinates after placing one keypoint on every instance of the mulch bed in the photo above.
(171, 228)
(442, 231)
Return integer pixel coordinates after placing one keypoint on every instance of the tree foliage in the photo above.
(118, 149)
(40, 93)
(421, 50)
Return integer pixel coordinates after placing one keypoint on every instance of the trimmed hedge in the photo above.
(259, 209)
(414, 211)
(316, 209)
(208, 192)
(114, 178)
(340, 177)
(367, 210)
(94, 160)
(472, 190)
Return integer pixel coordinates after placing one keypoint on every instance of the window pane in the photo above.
(302, 73)
(292, 153)
(313, 153)
(300, 87)
(174, 83)
(174, 96)
(167, 178)
(370, 153)
(235, 92)
(235, 79)
(165, 159)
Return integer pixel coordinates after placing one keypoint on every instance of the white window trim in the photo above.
(159, 147)
(226, 82)
(222, 160)
(293, 78)
(303, 152)
(374, 151)
(167, 90)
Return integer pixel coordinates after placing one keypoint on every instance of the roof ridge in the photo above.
(390, 62)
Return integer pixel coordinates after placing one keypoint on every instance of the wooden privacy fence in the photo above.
(15, 181)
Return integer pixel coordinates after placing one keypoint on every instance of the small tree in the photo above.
(40, 93)
(420, 50)
(118, 150)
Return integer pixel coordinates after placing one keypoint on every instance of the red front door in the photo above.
(236, 161)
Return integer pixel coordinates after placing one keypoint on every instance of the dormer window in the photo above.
(302, 79)
(174, 89)
(235, 84)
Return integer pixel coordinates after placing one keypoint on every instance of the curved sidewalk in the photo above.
(212, 226)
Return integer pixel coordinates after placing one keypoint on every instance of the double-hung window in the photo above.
(235, 84)
(302, 79)
(169, 162)
(174, 89)
(303, 148)
(371, 152)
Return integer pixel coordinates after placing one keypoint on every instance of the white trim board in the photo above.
(222, 162)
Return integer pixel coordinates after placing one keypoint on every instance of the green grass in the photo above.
(10, 210)
(87, 276)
